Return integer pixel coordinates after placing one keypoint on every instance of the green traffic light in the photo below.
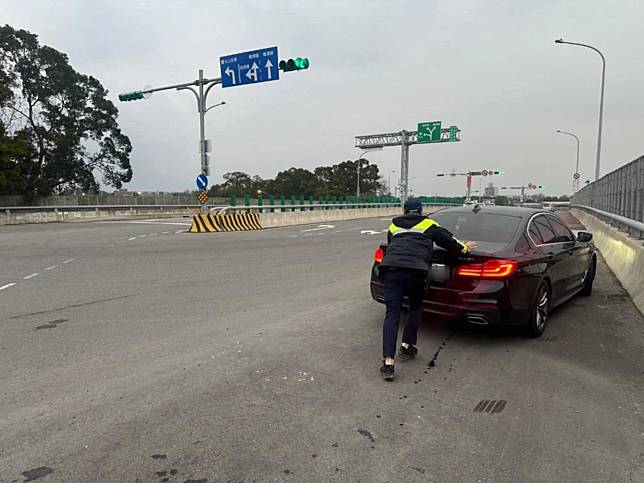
(131, 96)
(290, 65)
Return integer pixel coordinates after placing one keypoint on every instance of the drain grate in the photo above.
(490, 406)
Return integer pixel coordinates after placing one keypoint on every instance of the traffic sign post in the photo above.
(250, 67)
(427, 132)
(430, 132)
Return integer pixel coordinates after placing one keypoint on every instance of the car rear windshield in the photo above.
(483, 227)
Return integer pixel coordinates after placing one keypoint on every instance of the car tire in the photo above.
(540, 310)
(587, 290)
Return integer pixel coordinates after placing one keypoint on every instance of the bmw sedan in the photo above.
(525, 263)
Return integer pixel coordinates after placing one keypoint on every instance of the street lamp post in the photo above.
(601, 100)
(389, 184)
(575, 181)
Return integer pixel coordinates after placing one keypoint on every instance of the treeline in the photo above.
(337, 180)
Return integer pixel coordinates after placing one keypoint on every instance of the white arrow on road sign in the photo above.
(268, 66)
(230, 73)
(252, 73)
(320, 227)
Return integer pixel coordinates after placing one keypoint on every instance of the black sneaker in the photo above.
(408, 353)
(387, 371)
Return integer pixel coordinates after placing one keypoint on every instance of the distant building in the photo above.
(491, 191)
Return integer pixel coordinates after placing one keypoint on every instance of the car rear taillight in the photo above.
(379, 255)
(492, 268)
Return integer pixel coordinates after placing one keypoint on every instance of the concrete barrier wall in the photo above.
(271, 220)
(623, 254)
(18, 217)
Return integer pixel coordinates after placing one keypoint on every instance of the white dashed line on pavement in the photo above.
(30, 276)
(51, 268)
(7, 286)
(69, 260)
(132, 238)
(153, 234)
(142, 236)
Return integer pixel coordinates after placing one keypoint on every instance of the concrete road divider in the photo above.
(208, 223)
(623, 254)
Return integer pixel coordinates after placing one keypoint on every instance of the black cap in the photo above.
(413, 204)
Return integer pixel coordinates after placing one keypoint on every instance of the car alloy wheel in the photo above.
(539, 316)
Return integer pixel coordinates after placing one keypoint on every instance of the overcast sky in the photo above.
(490, 67)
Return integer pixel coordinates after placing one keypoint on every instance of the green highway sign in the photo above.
(429, 132)
(453, 133)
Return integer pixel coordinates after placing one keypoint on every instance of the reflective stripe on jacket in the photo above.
(411, 238)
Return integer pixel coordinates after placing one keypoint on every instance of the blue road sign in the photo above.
(202, 181)
(249, 67)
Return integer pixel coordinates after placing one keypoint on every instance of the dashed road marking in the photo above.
(69, 260)
(132, 238)
(51, 268)
(166, 232)
(153, 234)
(30, 276)
(142, 236)
(7, 286)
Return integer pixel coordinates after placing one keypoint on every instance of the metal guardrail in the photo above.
(620, 192)
(318, 206)
(632, 227)
(55, 209)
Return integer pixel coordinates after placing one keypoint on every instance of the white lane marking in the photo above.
(142, 236)
(69, 260)
(385, 219)
(165, 232)
(132, 238)
(153, 234)
(7, 286)
(372, 232)
(180, 231)
(320, 227)
(148, 222)
(31, 276)
(51, 268)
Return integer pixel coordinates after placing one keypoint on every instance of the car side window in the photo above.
(561, 231)
(535, 235)
(540, 223)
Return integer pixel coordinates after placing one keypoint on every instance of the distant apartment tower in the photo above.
(491, 191)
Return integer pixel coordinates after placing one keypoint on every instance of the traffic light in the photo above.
(294, 64)
(131, 96)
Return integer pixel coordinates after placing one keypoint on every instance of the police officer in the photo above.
(411, 238)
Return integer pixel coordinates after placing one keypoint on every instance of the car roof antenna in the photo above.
(476, 208)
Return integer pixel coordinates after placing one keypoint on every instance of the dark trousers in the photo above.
(399, 283)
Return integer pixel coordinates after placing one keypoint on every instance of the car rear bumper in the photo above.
(486, 305)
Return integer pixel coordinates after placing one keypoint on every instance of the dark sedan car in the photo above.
(526, 262)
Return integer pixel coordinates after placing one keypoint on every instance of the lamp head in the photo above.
(559, 41)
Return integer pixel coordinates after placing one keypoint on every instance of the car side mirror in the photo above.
(584, 236)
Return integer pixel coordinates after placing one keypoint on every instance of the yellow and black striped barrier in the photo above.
(207, 222)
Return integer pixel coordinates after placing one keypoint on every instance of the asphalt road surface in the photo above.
(133, 353)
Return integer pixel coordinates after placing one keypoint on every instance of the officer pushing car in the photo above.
(410, 239)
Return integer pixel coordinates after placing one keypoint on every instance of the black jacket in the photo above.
(411, 238)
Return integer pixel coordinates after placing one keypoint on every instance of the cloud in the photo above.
(490, 67)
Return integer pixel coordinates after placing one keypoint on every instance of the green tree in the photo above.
(57, 128)
(294, 181)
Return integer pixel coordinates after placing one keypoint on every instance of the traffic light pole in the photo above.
(201, 95)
